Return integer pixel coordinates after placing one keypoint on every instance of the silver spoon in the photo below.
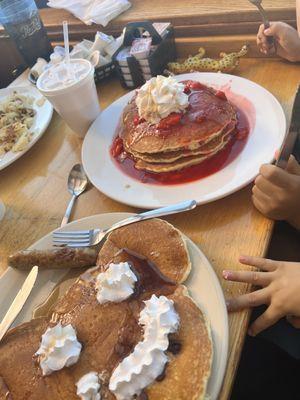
(270, 39)
(77, 183)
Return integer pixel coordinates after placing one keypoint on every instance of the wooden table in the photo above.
(34, 191)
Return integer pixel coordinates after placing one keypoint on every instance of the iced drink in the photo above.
(72, 91)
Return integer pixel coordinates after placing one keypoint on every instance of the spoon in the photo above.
(77, 182)
(270, 39)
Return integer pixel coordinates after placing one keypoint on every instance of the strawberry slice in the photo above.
(221, 95)
(171, 120)
(193, 85)
(117, 147)
(137, 120)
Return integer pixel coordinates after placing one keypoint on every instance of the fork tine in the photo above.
(67, 241)
(67, 237)
(72, 233)
(80, 244)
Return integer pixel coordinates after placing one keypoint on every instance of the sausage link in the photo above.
(61, 258)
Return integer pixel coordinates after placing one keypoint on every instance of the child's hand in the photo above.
(280, 282)
(276, 192)
(286, 38)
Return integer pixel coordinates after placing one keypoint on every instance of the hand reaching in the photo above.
(280, 291)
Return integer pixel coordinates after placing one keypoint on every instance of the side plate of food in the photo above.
(201, 355)
(212, 148)
(24, 116)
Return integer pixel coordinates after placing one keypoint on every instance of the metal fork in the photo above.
(93, 237)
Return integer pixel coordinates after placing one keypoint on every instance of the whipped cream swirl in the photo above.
(148, 359)
(59, 348)
(116, 283)
(159, 97)
(88, 387)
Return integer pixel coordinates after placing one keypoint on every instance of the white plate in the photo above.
(267, 134)
(41, 121)
(203, 285)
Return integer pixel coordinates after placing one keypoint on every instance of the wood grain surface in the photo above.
(196, 18)
(34, 192)
(190, 18)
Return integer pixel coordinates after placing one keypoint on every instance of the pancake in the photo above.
(183, 162)
(158, 241)
(109, 332)
(212, 112)
(215, 144)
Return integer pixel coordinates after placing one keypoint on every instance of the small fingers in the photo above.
(248, 300)
(253, 277)
(265, 186)
(264, 321)
(262, 263)
(261, 205)
(275, 175)
(261, 40)
(260, 195)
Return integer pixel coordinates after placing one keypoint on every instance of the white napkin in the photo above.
(89, 11)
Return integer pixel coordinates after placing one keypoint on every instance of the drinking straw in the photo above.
(66, 41)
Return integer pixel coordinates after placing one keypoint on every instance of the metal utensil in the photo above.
(95, 236)
(293, 133)
(19, 301)
(77, 183)
(266, 22)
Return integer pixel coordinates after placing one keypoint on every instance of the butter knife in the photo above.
(19, 301)
(292, 135)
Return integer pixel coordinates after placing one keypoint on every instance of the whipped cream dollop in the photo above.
(148, 359)
(159, 97)
(88, 387)
(59, 348)
(116, 283)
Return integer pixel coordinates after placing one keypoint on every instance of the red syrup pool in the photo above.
(199, 171)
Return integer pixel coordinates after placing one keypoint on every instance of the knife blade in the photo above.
(292, 135)
(19, 301)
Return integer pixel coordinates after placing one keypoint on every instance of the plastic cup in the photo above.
(75, 99)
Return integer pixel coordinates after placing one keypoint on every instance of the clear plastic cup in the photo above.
(22, 22)
(71, 90)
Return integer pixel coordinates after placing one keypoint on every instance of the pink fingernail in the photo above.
(267, 31)
(226, 274)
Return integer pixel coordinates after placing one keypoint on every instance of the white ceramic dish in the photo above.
(203, 285)
(267, 134)
(41, 121)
